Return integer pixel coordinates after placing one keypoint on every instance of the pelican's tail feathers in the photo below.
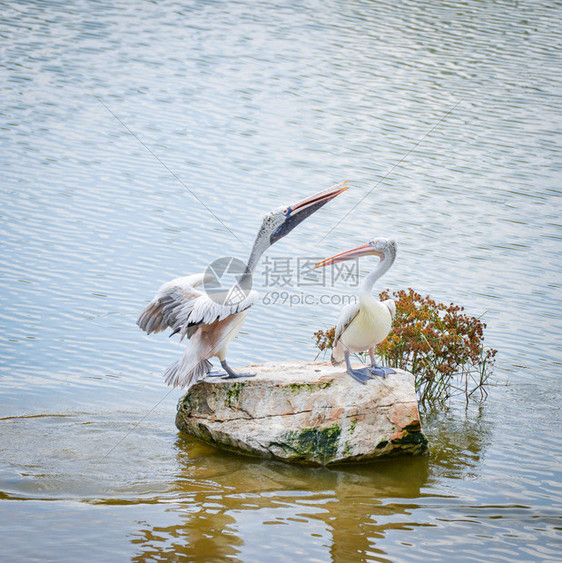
(171, 375)
(337, 354)
(185, 373)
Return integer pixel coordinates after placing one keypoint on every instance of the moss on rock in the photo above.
(320, 444)
(233, 392)
(298, 387)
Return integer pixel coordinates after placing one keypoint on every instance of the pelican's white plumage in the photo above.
(363, 325)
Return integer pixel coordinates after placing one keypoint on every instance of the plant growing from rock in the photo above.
(440, 344)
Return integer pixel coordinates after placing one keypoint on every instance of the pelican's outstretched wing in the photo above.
(179, 305)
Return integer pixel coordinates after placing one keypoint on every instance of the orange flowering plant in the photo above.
(440, 344)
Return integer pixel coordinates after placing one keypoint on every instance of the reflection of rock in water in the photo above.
(220, 497)
(216, 486)
(203, 536)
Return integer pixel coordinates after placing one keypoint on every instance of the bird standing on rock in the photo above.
(184, 306)
(363, 325)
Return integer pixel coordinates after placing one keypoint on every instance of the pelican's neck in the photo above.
(261, 244)
(379, 271)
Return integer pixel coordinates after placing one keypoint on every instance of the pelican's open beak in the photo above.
(354, 253)
(298, 212)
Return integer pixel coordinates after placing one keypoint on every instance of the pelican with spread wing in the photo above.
(363, 325)
(188, 309)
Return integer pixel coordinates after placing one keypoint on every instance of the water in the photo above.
(117, 120)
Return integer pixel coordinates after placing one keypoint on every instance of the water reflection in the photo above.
(226, 500)
(458, 440)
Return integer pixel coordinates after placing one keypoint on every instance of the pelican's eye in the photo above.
(286, 211)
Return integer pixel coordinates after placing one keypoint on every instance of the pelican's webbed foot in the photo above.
(380, 371)
(375, 369)
(232, 374)
(218, 373)
(362, 375)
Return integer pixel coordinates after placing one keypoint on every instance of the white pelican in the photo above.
(209, 325)
(361, 326)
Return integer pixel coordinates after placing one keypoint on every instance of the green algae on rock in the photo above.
(312, 444)
(306, 412)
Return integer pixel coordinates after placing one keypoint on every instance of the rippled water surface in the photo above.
(140, 141)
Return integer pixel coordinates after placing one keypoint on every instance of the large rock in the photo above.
(306, 413)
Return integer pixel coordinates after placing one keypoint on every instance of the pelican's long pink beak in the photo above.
(322, 197)
(295, 214)
(354, 253)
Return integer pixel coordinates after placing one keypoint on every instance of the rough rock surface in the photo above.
(306, 413)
